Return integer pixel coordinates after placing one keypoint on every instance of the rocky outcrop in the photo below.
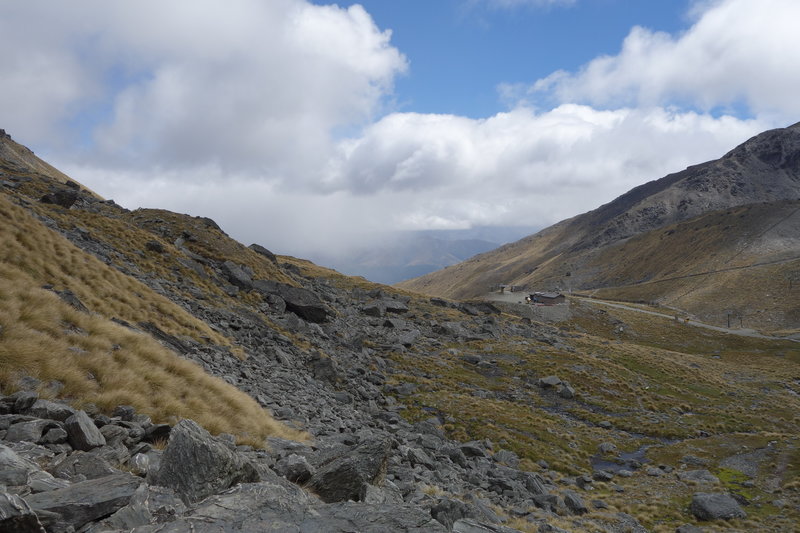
(197, 465)
(706, 506)
(83, 502)
(342, 478)
(302, 302)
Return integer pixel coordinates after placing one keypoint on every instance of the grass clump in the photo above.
(97, 360)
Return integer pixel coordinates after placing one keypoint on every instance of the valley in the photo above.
(317, 401)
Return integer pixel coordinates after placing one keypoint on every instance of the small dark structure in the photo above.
(547, 298)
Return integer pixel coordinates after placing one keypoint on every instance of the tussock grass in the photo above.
(44, 257)
(106, 364)
(97, 360)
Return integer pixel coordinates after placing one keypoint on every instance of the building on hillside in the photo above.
(547, 298)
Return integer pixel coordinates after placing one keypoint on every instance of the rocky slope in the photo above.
(579, 253)
(420, 414)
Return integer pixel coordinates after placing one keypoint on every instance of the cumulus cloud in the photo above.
(523, 167)
(415, 171)
(270, 116)
(737, 53)
(246, 83)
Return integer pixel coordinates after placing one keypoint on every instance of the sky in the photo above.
(306, 126)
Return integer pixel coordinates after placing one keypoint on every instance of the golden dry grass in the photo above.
(97, 360)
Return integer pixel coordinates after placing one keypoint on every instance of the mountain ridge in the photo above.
(332, 403)
(763, 169)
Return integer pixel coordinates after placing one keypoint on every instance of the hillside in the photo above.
(738, 212)
(341, 405)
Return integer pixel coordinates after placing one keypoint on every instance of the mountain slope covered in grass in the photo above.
(368, 407)
(683, 240)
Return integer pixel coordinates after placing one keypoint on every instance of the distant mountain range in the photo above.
(405, 255)
(713, 240)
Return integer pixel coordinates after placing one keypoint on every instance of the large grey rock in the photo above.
(698, 476)
(82, 464)
(23, 400)
(574, 503)
(149, 504)
(86, 501)
(295, 468)
(375, 308)
(549, 381)
(271, 506)
(507, 457)
(342, 478)
(63, 197)
(11, 460)
(50, 410)
(196, 465)
(82, 433)
(302, 302)
(468, 525)
(237, 275)
(447, 511)
(31, 431)
(257, 248)
(16, 516)
(706, 506)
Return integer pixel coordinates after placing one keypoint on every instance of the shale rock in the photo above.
(82, 433)
(707, 506)
(197, 465)
(16, 516)
(343, 477)
(83, 502)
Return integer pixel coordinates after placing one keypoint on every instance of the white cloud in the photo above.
(236, 112)
(416, 171)
(244, 83)
(521, 167)
(737, 53)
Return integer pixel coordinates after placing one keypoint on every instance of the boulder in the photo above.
(196, 465)
(375, 308)
(574, 503)
(86, 501)
(323, 368)
(507, 458)
(82, 433)
(473, 449)
(447, 511)
(270, 506)
(394, 306)
(63, 197)
(295, 468)
(124, 412)
(566, 391)
(237, 275)
(698, 476)
(468, 525)
(149, 504)
(50, 410)
(82, 464)
(302, 302)
(23, 400)
(31, 431)
(257, 248)
(706, 506)
(342, 477)
(549, 381)
(17, 516)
